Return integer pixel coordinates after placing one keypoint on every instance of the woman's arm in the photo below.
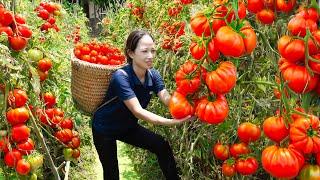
(164, 96)
(135, 107)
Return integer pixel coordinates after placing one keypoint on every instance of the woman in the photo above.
(130, 92)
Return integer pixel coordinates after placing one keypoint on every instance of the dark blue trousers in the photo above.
(140, 137)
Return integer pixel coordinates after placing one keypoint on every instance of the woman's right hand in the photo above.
(182, 120)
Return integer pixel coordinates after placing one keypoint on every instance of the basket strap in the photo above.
(114, 98)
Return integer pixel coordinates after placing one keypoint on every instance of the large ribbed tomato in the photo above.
(299, 25)
(221, 151)
(197, 50)
(26, 147)
(228, 169)
(239, 149)
(310, 172)
(255, 6)
(304, 134)
(223, 79)
(17, 98)
(280, 162)
(248, 132)
(231, 43)
(266, 16)
(179, 106)
(285, 5)
(275, 129)
(212, 112)
(315, 66)
(298, 78)
(200, 24)
(17, 115)
(247, 166)
(291, 49)
(20, 133)
(11, 158)
(308, 13)
(188, 78)
(213, 51)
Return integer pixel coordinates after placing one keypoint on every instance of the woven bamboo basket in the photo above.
(89, 83)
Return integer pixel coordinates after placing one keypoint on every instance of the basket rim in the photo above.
(74, 59)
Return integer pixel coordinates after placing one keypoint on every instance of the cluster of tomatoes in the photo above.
(236, 157)
(219, 78)
(44, 64)
(75, 36)
(15, 27)
(172, 32)
(136, 10)
(299, 68)
(303, 133)
(47, 11)
(18, 143)
(63, 126)
(99, 53)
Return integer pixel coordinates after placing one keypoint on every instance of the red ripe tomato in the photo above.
(255, 6)
(250, 39)
(247, 166)
(86, 58)
(55, 121)
(248, 132)
(285, 5)
(85, 50)
(11, 158)
(19, 19)
(314, 65)
(44, 64)
(238, 149)
(77, 53)
(292, 50)
(186, 1)
(76, 153)
(188, 78)
(228, 169)
(266, 16)
(20, 133)
(223, 79)
(308, 13)
(200, 24)
(24, 31)
(213, 50)
(23, 167)
(17, 98)
(58, 112)
(212, 112)
(197, 51)
(26, 147)
(275, 129)
(298, 78)
(179, 106)
(7, 30)
(221, 151)
(280, 162)
(74, 143)
(6, 18)
(229, 42)
(42, 75)
(17, 43)
(304, 135)
(242, 12)
(4, 144)
(44, 14)
(64, 135)
(49, 99)
(17, 116)
(51, 20)
(298, 26)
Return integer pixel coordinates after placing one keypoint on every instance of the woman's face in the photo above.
(143, 55)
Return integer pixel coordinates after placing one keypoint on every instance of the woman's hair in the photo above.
(132, 42)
